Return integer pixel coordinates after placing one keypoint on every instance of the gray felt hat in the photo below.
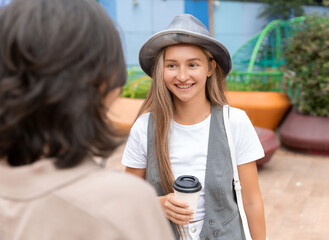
(184, 28)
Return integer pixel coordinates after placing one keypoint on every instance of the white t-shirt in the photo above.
(188, 147)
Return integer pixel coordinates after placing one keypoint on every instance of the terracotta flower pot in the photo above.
(123, 113)
(265, 109)
(305, 133)
(270, 144)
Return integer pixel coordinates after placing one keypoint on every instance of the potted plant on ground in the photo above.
(306, 76)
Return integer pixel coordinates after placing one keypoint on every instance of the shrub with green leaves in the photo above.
(306, 73)
(139, 83)
(254, 81)
(283, 9)
(137, 88)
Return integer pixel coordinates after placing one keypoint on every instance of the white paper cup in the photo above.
(191, 198)
(187, 188)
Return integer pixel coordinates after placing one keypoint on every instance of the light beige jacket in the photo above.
(40, 202)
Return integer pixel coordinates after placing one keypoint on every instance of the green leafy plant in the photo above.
(283, 9)
(256, 81)
(137, 88)
(306, 73)
(138, 83)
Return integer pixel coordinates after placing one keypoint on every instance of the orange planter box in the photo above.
(123, 112)
(265, 109)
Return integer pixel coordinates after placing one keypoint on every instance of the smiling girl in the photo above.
(180, 131)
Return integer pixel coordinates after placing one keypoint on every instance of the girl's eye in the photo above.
(171, 66)
(193, 65)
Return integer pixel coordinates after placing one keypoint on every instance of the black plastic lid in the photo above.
(187, 184)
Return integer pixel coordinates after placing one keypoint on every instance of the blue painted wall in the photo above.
(140, 19)
(110, 7)
(199, 9)
(4, 2)
(236, 22)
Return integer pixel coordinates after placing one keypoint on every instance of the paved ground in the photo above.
(295, 189)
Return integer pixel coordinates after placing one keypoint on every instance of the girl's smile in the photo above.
(184, 87)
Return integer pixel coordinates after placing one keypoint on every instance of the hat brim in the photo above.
(160, 40)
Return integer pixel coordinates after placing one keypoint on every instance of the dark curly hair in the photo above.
(59, 59)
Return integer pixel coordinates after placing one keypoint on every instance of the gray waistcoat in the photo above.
(222, 220)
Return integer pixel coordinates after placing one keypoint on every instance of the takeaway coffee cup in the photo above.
(187, 188)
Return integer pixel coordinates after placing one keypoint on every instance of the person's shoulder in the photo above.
(129, 200)
(141, 122)
(237, 115)
(139, 129)
(116, 201)
(110, 188)
(121, 184)
(236, 112)
(109, 200)
(142, 119)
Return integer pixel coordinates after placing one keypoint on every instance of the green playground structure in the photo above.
(256, 64)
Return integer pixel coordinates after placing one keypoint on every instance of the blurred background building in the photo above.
(234, 22)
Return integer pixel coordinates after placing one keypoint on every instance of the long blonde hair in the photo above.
(159, 100)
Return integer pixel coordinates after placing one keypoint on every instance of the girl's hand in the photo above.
(175, 209)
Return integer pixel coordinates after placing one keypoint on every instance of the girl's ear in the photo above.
(212, 67)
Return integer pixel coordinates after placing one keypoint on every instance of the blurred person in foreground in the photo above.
(61, 66)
